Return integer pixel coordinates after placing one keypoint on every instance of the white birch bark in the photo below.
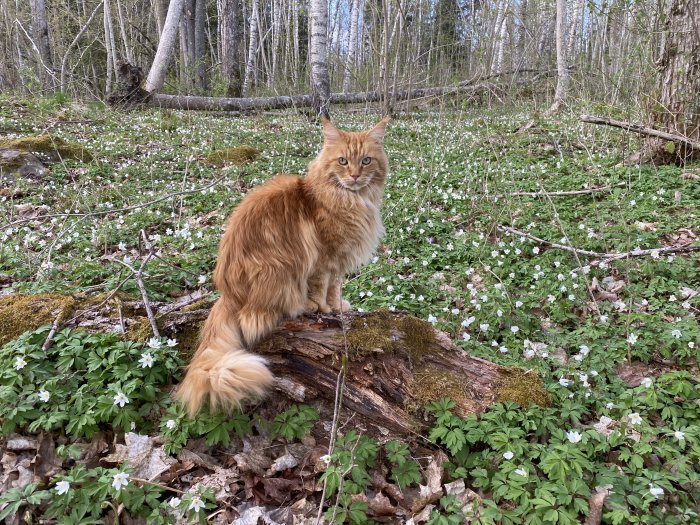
(352, 44)
(318, 56)
(156, 75)
(562, 62)
(252, 49)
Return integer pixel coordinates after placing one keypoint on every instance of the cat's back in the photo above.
(281, 198)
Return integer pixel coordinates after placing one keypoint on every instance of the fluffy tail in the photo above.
(221, 369)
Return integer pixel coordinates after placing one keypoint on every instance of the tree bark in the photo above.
(156, 76)
(230, 47)
(678, 107)
(281, 102)
(200, 44)
(251, 64)
(352, 45)
(318, 57)
(40, 33)
(563, 75)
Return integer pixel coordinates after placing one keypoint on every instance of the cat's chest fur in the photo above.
(350, 231)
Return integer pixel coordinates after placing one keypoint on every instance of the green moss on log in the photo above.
(523, 387)
(20, 313)
(48, 144)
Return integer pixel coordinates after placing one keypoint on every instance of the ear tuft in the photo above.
(331, 134)
(377, 132)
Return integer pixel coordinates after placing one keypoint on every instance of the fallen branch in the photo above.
(601, 255)
(553, 193)
(138, 277)
(643, 130)
(113, 210)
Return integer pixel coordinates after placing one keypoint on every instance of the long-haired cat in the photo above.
(287, 246)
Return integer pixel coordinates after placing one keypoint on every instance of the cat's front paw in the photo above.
(346, 307)
(312, 307)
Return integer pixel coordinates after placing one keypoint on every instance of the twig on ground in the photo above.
(138, 277)
(595, 507)
(643, 130)
(114, 210)
(600, 255)
(555, 193)
(52, 333)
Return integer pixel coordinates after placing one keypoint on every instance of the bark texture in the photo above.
(318, 57)
(156, 76)
(678, 106)
(40, 34)
(230, 47)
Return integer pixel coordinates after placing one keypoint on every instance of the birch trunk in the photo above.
(562, 62)
(318, 56)
(110, 46)
(156, 75)
(252, 49)
(352, 45)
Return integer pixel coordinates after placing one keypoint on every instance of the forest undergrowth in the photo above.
(613, 334)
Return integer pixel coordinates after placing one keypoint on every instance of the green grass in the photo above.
(443, 259)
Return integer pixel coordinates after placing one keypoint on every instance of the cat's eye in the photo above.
(366, 161)
(342, 161)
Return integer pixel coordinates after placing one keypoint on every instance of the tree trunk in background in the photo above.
(40, 34)
(200, 44)
(678, 107)
(574, 21)
(352, 45)
(252, 49)
(156, 76)
(187, 55)
(318, 56)
(110, 46)
(230, 47)
(563, 76)
(523, 34)
(160, 9)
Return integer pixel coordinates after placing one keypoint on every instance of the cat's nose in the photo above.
(355, 175)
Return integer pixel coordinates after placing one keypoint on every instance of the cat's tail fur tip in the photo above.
(225, 379)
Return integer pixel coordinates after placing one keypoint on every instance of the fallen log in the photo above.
(282, 102)
(130, 93)
(394, 363)
(643, 130)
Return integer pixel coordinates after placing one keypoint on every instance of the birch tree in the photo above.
(563, 75)
(251, 64)
(318, 56)
(156, 75)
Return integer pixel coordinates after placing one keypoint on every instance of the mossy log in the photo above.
(395, 364)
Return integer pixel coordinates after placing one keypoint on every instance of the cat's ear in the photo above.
(377, 132)
(331, 134)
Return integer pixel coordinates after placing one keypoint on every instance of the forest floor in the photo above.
(92, 435)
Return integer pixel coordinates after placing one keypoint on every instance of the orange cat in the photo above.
(286, 248)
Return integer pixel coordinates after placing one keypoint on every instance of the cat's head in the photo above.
(352, 160)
